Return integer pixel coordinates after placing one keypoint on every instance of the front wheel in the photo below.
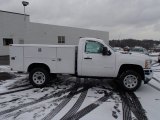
(39, 77)
(130, 80)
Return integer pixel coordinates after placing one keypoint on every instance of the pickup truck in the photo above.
(91, 58)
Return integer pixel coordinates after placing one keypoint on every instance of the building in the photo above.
(16, 28)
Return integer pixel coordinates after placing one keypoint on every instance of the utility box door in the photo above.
(66, 60)
(39, 54)
(16, 58)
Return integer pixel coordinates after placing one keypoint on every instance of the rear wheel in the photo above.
(39, 77)
(130, 80)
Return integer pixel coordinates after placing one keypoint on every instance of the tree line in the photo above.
(148, 44)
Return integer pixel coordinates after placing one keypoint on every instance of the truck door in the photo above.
(65, 60)
(96, 64)
(16, 58)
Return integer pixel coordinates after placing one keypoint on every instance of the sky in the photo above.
(123, 19)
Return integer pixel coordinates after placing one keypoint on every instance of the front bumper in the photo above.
(148, 74)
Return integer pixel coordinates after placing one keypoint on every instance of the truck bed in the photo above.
(59, 58)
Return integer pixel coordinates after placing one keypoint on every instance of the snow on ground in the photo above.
(150, 99)
(5, 68)
(66, 99)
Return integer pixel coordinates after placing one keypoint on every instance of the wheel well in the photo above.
(38, 65)
(136, 68)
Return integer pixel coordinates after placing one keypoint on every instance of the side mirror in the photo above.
(106, 51)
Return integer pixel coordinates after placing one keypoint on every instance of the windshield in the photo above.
(112, 48)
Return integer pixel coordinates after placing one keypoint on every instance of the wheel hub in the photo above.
(130, 81)
(38, 78)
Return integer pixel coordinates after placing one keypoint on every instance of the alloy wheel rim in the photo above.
(130, 81)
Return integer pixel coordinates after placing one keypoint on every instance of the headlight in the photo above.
(148, 64)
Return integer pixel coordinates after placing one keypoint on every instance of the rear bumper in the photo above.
(148, 74)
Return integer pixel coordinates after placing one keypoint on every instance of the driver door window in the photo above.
(93, 47)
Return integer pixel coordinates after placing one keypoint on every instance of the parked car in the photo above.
(119, 49)
(126, 48)
(139, 50)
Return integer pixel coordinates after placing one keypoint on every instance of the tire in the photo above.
(39, 77)
(130, 80)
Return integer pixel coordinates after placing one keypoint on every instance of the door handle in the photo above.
(88, 58)
(53, 59)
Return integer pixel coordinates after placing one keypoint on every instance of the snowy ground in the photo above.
(69, 98)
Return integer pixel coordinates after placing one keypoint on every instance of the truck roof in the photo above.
(41, 45)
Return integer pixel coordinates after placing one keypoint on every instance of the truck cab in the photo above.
(95, 58)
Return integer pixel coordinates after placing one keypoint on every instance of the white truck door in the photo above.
(94, 63)
(16, 58)
(40, 54)
(65, 60)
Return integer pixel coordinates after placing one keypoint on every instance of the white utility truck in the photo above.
(91, 58)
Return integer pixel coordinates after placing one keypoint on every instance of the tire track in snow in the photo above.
(14, 91)
(76, 106)
(20, 80)
(131, 100)
(138, 107)
(130, 103)
(125, 107)
(14, 87)
(126, 112)
(35, 102)
(90, 107)
(154, 64)
(17, 113)
(31, 109)
(156, 79)
(15, 99)
(154, 86)
(56, 110)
